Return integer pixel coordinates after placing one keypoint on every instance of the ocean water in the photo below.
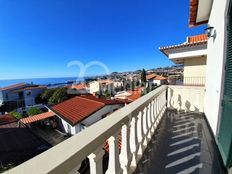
(40, 81)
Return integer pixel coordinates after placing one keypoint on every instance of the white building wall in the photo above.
(90, 120)
(195, 67)
(215, 64)
(98, 115)
(94, 87)
(30, 99)
(188, 98)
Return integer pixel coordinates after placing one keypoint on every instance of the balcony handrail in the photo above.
(65, 156)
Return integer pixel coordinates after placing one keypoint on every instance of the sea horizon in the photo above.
(39, 81)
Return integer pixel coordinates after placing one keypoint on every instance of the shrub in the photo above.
(16, 114)
(34, 111)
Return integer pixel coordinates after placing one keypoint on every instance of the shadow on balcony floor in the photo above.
(183, 144)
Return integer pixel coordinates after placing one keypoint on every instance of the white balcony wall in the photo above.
(188, 98)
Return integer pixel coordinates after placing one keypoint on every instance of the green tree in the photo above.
(107, 94)
(132, 85)
(47, 94)
(143, 76)
(16, 114)
(59, 95)
(34, 111)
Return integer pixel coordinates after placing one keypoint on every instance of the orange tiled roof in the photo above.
(135, 94)
(38, 117)
(78, 86)
(151, 76)
(197, 38)
(155, 77)
(78, 108)
(7, 118)
(193, 14)
(200, 39)
(105, 81)
(29, 88)
(13, 86)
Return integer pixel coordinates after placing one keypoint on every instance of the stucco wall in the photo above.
(215, 64)
(195, 67)
(188, 98)
(94, 87)
(30, 99)
(98, 115)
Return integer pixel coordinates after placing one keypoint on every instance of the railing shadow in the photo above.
(179, 146)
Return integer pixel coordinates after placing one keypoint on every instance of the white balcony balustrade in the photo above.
(136, 122)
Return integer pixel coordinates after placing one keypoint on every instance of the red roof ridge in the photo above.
(83, 97)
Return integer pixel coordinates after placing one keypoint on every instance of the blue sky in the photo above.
(38, 38)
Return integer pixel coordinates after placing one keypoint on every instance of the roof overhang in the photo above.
(199, 12)
(177, 54)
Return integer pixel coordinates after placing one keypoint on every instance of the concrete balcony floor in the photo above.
(183, 144)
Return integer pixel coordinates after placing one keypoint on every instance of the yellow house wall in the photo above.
(195, 67)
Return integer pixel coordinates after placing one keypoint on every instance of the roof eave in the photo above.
(199, 12)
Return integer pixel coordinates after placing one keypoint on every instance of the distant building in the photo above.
(82, 88)
(101, 86)
(23, 94)
(192, 54)
(129, 95)
(156, 79)
(82, 111)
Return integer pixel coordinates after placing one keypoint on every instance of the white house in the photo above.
(156, 79)
(82, 111)
(23, 94)
(192, 54)
(101, 86)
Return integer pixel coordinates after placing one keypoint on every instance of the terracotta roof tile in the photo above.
(29, 88)
(197, 38)
(78, 108)
(38, 117)
(7, 118)
(13, 86)
(155, 77)
(151, 76)
(191, 41)
(78, 86)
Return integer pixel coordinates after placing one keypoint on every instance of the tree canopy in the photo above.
(34, 111)
(143, 76)
(16, 114)
(58, 96)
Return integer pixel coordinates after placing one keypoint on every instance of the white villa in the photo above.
(23, 94)
(193, 55)
(101, 86)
